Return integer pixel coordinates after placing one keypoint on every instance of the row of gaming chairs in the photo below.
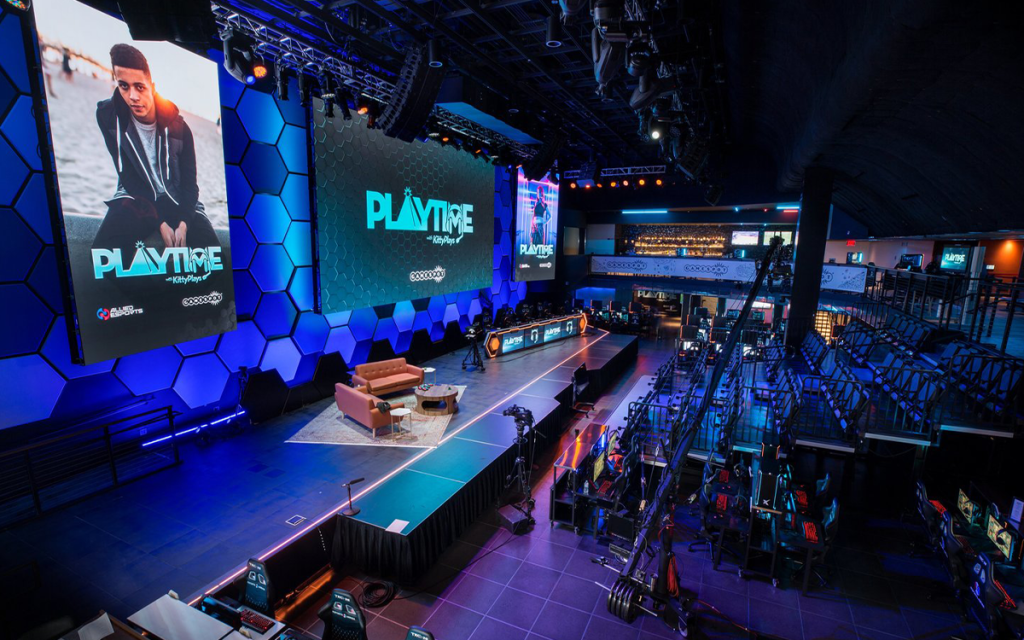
(846, 396)
(990, 380)
(814, 349)
(785, 403)
(858, 339)
(969, 575)
(773, 355)
(343, 618)
(907, 332)
(915, 390)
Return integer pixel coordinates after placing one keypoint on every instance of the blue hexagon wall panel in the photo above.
(265, 144)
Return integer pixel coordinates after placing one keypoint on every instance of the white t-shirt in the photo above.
(149, 146)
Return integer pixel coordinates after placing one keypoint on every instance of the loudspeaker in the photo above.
(184, 21)
(537, 167)
(413, 99)
(513, 519)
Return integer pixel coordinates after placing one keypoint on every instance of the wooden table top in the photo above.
(437, 391)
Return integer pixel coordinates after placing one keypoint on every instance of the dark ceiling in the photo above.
(915, 104)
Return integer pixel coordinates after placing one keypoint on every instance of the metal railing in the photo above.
(38, 477)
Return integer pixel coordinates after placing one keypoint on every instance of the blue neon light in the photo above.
(795, 205)
(195, 429)
(630, 212)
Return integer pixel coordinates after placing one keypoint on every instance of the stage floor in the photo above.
(189, 526)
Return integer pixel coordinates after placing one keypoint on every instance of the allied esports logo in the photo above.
(105, 314)
(449, 222)
(436, 274)
(183, 264)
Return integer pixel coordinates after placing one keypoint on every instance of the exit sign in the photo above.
(851, 243)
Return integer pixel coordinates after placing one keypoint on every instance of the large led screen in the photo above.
(397, 220)
(954, 258)
(536, 229)
(136, 136)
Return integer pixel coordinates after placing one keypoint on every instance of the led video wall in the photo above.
(397, 220)
(536, 229)
(136, 133)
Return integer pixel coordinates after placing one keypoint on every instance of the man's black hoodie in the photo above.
(177, 158)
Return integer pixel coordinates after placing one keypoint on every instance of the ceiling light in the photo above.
(658, 182)
(642, 182)
(614, 184)
(435, 57)
(625, 183)
(554, 32)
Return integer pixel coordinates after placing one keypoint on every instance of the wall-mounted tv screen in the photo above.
(954, 258)
(745, 237)
(136, 136)
(397, 220)
(787, 236)
(536, 229)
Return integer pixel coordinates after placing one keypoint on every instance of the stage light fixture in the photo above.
(305, 90)
(238, 57)
(614, 184)
(586, 186)
(572, 185)
(343, 99)
(642, 182)
(600, 186)
(554, 32)
(20, 5)
(281, 79)
(435, 56)
(260, 71)
(625, 183)
(658, 182)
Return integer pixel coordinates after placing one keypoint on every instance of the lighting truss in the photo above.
(301, 52)
(617, 172)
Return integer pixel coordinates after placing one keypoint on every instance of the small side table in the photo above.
(432, 370)
(399, 414)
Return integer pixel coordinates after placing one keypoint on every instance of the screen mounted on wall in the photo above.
(397, 220)
(536, 229)
(954, 258)
(745, 237)
(136, 136)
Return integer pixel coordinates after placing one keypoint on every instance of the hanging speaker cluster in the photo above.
(537, 167)
(413, 99)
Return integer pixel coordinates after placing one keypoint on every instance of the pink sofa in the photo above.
(387, 376)
(362, 407)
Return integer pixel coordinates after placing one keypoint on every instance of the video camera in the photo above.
(522, 415)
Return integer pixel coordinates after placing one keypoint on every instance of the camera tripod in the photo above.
(473, 358)
(522, 467)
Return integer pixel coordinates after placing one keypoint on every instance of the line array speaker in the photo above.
(536, 167)
(413, 99)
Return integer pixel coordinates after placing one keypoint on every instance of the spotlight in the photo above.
(20, 5)
(343, 99)
(327, 95)
(238, 57)
(554, 33)
(600, 186)
(642, 182)
(572, 185)
(363, 106)
(281, 79)
(658, 182)
(305, 93)
(625, 183)
(435, 56)
(614, 184)
(259, 71)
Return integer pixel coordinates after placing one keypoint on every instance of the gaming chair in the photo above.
(257, 591)
(343, 619)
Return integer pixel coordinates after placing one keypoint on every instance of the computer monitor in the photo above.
(732, 313)
(599, 465)
(613, 441)
(993, 528)
(757, 316)
(968, 508)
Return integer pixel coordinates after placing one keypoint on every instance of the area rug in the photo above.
(332, 427)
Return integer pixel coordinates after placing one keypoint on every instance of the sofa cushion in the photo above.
(397, 381)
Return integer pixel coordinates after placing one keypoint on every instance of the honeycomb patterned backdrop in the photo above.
(278, 334)
(361, 266)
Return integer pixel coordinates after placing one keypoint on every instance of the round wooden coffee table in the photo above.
(438, 400)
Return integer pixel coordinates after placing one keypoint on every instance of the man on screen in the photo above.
(154, 155)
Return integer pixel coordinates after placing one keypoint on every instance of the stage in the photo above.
(413, 509)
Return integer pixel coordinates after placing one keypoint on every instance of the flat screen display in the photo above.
(536, 229)
(397, 220)
(136, 136)
(745, 237)
(954, 258)
(787, 237)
